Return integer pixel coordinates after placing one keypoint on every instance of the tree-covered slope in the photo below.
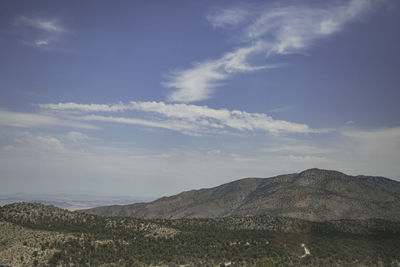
(56, 237)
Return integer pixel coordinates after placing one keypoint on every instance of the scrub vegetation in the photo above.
(48, 236)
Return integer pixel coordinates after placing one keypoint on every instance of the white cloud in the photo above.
(28, 120)
(41, 42)
(296, 28)
(375, 134)
(46, 25)
(197, 83)
(236, 61)
(76, 137)
(266, 31)
(23, 141)
(49, 142)
(280, 109)
(185, 118)
(228, 17)
(181, 126)
(40, 32)
(317, 161)
(87, 107)
(301, 149)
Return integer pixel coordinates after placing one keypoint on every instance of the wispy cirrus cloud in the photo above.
(41, 42)
(47, 25)
(280, 109)
(197, 83)
(31, 120)
(263, 30)
(297, 149)
(44, 31)
(228, 17)
(185, 118)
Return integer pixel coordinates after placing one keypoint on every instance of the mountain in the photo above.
(314, 194)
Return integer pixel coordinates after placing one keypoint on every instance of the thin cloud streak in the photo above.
(197, 83)
(46, 31)
(228, 17)
(29, 120)
(265, 31)
(180, 126)
(120, 107)
(41, 42)
(50, 26)
(299, 149)
(379, 134)
(185, 118)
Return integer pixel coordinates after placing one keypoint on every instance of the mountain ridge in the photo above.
(313, 194)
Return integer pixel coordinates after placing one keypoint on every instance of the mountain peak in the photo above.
(319, 177)
(316, 171)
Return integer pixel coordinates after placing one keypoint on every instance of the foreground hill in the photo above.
(38, 235)
(314, 194)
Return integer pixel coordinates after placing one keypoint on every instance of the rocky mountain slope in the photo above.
(314, 194)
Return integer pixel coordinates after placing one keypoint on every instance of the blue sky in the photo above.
(154, 97)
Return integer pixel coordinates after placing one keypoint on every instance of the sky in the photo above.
(151, 98)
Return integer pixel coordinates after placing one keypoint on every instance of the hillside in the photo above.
(39, 235)
(314, 194)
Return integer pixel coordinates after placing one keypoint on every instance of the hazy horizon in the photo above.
(144, 98)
